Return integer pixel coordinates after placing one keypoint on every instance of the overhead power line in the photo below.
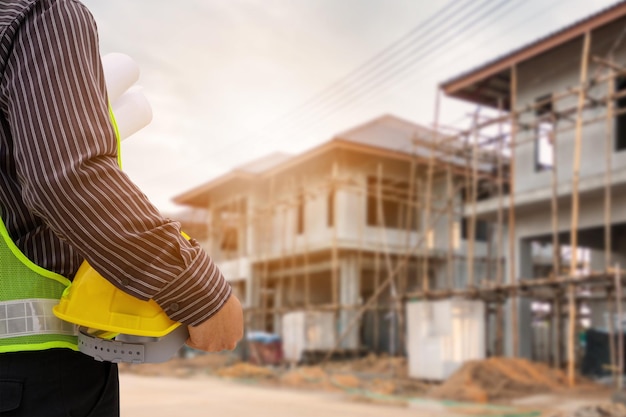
(433, 24)
(381, 80)
(389, 66)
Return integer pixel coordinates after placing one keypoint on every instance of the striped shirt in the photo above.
(63, 197)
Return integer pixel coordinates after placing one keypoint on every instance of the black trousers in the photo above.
(57, 382)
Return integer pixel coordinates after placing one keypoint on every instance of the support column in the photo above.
(349, 296)
(523, 264)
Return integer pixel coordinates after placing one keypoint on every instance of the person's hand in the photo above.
(220, 332)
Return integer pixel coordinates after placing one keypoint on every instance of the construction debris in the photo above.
(496, 379)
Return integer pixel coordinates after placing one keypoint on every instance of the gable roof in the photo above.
(386, 135)
(490, 82)
(388, 132)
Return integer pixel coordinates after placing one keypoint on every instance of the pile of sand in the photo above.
(606, 410)
(496, 379)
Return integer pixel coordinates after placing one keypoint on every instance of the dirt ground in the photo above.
(492, 387)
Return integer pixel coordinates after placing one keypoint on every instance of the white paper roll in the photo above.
(132, 112)
(120, 73)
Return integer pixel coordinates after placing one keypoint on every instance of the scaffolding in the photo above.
(472, 164)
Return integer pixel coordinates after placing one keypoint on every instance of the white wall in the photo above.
(556, 72)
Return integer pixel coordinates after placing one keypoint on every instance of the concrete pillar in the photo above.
(278, 303)
(349, 295)
(523, 267)
(525, 270)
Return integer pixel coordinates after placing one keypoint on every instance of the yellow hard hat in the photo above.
(93, 302)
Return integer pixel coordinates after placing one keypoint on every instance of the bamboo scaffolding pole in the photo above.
(307, 277)
(266, 248)
(430, 231)
(610, 63)
(511, 219)
(554, 203)
(429, 188)
(494, 294)
(335, 259)
(376, 285)
(558, 326)
(283, 246)
(292, 258)
(491, 294)
(571, 354)
(611, 332)
(361, 225)
(608, 151)
(499, 340)
(435, 295)
(608, 247)
(396, 306)
(408, 228)
(450, 255)
(555, 333)
(473, 196)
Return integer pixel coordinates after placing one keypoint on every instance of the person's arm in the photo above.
(53, 95)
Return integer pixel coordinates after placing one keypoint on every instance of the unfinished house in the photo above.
(343, 234)
(559, 105)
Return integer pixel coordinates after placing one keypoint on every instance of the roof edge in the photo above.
(544, 44)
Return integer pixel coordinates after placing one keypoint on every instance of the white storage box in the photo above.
(441, 335)
(307, 330)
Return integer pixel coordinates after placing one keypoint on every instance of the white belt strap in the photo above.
(133, 349)
(31, 317)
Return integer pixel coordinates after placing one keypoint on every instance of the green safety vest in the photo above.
(27, 294)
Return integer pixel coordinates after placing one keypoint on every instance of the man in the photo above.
(63, 199)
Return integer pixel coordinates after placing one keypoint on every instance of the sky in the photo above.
(230, 81)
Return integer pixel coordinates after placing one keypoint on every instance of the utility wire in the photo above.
(374, 85)
(433, 23)
(395, 49)
(352, 87)
(456, 58)
(384, 57)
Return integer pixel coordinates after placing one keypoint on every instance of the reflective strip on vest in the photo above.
(31, 317)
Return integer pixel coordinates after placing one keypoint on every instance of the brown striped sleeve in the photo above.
(54, 99)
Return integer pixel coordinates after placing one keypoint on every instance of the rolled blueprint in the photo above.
(132, 112)
(120, 73)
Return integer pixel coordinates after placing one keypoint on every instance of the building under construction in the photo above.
(521, 211)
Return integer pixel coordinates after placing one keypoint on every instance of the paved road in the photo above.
(167, 397)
